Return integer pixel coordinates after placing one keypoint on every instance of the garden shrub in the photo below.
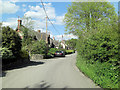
(7, 56)
(24, 54)
(52, 51)
(5, 53)
(38, 47)
(11, 40)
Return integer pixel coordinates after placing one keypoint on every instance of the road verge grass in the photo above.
(103, 74)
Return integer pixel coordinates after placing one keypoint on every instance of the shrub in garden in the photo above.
(52, 51)
(62, 49)
(6, 55)
(11, 40)
(24, 54)
(38, 47)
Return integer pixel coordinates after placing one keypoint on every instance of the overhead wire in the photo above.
(48, 17)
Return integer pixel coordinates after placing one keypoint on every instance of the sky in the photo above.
(55, 11)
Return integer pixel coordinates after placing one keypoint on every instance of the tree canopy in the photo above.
(85, 16)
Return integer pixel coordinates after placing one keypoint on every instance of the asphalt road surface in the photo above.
(50, 73)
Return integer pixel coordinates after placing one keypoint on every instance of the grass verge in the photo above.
(103, 74)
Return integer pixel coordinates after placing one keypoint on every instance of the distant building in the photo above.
(38, 35)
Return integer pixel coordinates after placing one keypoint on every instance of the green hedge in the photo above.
(98, 57)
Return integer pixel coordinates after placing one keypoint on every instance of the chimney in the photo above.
(39, 31)
(19, 24)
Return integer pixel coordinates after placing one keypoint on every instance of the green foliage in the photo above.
(5, 53)
(11, 40)
(24, 54)
(104, 74)
(62, 49)
(85, 16)
(102, 46)
(38, 47)
(71, 43)
(52, 51)
(96, 25)
(69, 51)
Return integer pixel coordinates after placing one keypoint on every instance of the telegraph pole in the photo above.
(46, 30)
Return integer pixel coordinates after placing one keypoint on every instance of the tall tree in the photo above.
(85, 16)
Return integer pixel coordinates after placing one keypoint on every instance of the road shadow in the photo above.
(43, 86)
(2, 74)
(22, 65)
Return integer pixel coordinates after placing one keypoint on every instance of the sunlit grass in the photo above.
(102, 74)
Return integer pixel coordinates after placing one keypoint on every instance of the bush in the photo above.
(101, 46)
(52, 51)
(6, 53)
(24, 54)
(7, 56)
(62, 50)
(38, 47)
(98, 57)
(11, 40)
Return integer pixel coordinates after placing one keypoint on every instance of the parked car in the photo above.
(60, 53)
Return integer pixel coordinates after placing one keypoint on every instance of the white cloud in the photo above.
(59, 20)
(38, 12)
(12, 22)
(39, 25)
(46, 4)
(65, 37)
(8, 7)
